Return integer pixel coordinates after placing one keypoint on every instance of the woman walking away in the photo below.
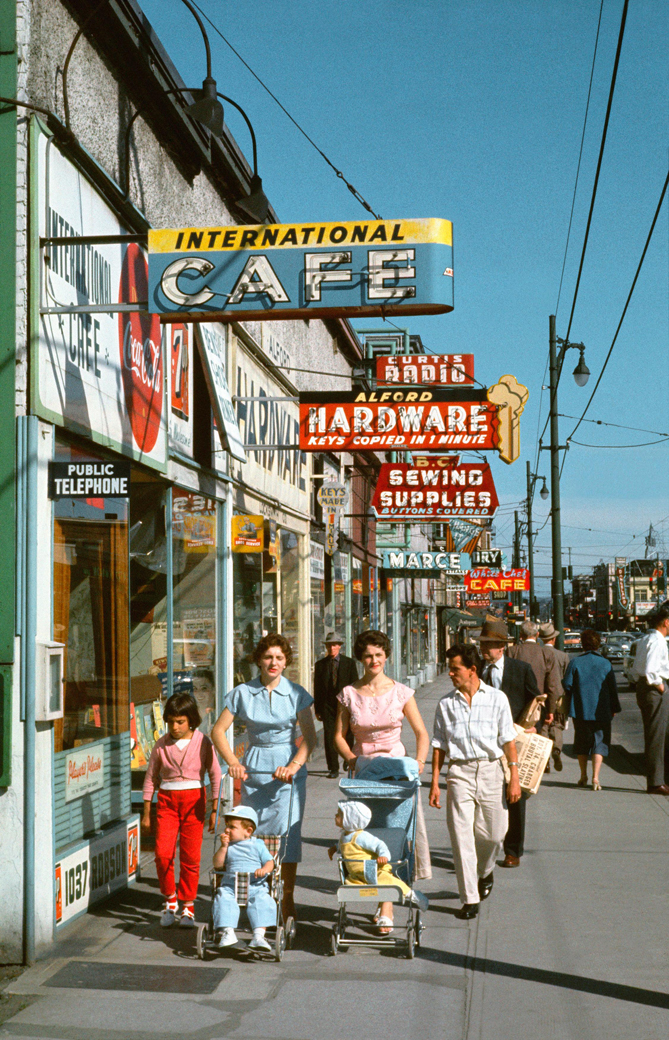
(177, 766)
(375, 708)
(591, 700)
(272, 707)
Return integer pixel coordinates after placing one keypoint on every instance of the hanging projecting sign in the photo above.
(459, 417)
(425, 369)
(402, 560)
(100, 375)
(487, 558)
(434, 489)
(280, 271)
(483, 580)
(333, 498)
(212, 351)
(462, 535)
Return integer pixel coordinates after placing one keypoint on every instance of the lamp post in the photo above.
(581, 375)
(531, 481)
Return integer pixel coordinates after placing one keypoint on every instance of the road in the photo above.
(572, 945)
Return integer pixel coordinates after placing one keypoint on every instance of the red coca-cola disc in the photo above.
(141, 354)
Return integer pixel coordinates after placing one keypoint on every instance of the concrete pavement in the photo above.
(572, 945)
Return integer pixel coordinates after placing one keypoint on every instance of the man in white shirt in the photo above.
(651, 672)
(472, 727)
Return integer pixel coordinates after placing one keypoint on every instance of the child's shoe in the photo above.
(169, 914)
(187, 916)
(225, 937)
(259, 942)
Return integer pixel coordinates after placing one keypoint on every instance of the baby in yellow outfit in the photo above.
(357, 847)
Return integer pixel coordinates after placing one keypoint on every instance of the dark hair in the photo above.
(590, 640)
(273, 639)
(182, 704)
(660, 615)
(372, 637)
(468, 654)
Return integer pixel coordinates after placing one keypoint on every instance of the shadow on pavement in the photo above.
(598, 987)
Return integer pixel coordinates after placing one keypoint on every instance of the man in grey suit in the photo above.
(555, 729)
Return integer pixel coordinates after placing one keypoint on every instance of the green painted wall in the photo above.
(8, 66)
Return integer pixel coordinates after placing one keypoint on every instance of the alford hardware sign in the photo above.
(483, 580)
(434, 489)
(431, 420)
(280, 271)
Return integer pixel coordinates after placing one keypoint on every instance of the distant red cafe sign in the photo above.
(483, 580)
(434, 489)
(425, 369)
(477, 601)
(460, 417)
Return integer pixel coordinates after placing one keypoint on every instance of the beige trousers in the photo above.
(477, 820)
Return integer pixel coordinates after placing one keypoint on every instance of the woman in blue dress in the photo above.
(272, 707)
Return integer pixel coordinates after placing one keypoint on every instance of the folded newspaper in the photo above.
(533, 754)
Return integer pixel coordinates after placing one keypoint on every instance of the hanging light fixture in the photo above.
(581, 372)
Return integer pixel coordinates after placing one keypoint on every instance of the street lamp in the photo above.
(532, 478)
(581, 375)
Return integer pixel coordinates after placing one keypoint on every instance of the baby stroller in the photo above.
(284, 931)
(394, 808)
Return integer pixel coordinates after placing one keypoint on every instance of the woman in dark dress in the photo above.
(591, 701)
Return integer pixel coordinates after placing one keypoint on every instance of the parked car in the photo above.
(615, 647)
(628, 661)
(572, 642)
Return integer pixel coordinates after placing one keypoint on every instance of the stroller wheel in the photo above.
(333, 942)
(201, 940)
(419, 927)
(279, 943)
(411, 943)
(291, 930)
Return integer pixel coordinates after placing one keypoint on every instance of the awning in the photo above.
(454, 618)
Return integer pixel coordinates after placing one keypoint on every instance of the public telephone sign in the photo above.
(483, 580)
(425, 369)
(434, 489)
(280, 271)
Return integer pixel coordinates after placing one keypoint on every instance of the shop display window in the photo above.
(90, 611)
(194, 591)
(290, 598)
(148, 620)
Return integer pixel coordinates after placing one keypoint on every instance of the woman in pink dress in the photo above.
(374, 708)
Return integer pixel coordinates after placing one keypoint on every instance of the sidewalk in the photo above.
(571, 945)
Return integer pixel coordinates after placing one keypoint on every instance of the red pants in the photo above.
(180, 814)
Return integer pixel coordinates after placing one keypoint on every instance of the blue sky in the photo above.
(474, 111)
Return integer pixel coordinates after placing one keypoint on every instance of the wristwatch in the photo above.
(512, 764)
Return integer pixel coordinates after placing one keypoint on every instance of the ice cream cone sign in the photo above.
(510, 396)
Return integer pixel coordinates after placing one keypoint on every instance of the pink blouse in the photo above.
(376, 722)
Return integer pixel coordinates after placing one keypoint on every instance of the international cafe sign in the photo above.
(353, 269)
(434, 489)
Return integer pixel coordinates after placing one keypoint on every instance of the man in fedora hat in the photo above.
(516, 679)
(555, 729)
(331, 674)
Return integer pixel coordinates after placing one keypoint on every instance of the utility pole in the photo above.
(530, 550)
(557, 587)
(517, 596)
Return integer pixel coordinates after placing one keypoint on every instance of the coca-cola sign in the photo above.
(141, 353)
(100, 375)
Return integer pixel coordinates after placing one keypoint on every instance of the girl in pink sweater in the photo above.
(177, 766)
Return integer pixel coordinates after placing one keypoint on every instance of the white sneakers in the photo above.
(169, 914)
(259, 942)
(187, 917)
(226, 937)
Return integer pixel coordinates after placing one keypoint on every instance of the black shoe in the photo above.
(485, 885)
(557, 761)
(333, 774)
(467, 911)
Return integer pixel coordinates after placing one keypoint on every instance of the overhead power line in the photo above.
(354, 191)
(627, 303)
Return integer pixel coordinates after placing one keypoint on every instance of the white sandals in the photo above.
(384, 924)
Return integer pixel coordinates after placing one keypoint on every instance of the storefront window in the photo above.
(317, 575)
(90, 612)
(290, 597)
(356, 597)
(148, 621)
(340, 577)
(194, 612)
(248, 612)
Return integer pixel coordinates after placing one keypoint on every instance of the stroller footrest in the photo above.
(365, 893)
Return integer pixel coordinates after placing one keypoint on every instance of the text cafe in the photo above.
(131, 486)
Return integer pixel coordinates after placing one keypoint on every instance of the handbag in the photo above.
(531, 714)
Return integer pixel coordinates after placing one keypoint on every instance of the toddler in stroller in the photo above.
(357, 848)
(241, 852)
